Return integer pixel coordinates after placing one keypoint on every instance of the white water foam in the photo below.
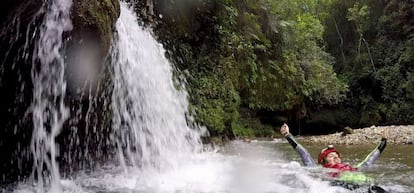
(249, 168)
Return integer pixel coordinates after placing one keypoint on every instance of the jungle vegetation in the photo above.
(251, 65)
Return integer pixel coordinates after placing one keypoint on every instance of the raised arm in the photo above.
(370, 159)
(306, 157)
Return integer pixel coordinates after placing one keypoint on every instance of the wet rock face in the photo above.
(7, 7)
(16, 18)
(174, 12)
(86, 48)
(94, 21)
(93, 27)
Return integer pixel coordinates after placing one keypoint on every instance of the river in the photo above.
(256, 167)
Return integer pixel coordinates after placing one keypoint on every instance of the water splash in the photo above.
(49, 87)
(150, 114)
(249, 168)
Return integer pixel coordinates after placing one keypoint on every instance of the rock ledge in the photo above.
(403, 134)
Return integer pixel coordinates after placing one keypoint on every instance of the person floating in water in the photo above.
(342, 174)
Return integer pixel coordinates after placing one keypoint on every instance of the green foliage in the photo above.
(358, 14)
(250, 125)
(376, 58)
(301, 71)
(215, 104)
(241, 131)
(255, 55)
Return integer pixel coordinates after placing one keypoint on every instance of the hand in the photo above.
(284, 130)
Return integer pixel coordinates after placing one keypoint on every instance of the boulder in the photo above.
(89, 43)
(347, 130)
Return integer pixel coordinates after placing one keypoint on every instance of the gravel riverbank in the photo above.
(403, 134)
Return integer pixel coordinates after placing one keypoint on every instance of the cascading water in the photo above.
(149, 112)
(156, 146)
(49, 87)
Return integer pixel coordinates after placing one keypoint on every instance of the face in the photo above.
(332, 158)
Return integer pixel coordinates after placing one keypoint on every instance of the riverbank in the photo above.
(403, 134)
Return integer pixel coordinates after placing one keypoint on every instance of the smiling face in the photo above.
(332, 158)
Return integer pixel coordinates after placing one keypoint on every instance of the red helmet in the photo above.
(325, 152)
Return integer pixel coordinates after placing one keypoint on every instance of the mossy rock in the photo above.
(96, 19)
(93, 30)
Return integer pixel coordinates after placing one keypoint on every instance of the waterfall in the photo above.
(150, 114)
(49, 87)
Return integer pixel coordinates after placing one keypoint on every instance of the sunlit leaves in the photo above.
(358, 14)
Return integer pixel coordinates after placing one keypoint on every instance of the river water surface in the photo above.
(393, 169)
(256, 167)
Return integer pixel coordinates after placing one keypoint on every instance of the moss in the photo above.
(97, 18)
